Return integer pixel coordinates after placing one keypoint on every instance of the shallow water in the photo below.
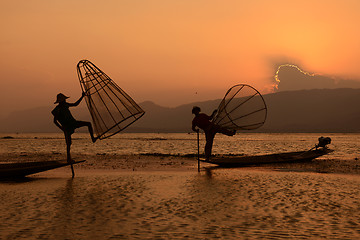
(213, 204)
(245, 203)
(346, 146)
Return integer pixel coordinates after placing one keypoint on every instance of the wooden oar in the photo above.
(72, 169)
(198, 153)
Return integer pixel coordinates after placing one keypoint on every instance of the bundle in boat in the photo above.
(242, 108)
(111, 109)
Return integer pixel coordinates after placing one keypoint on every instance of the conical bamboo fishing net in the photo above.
(111, 109)
(242, 108)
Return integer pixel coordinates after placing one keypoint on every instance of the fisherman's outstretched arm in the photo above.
(78, 101)
(213, 114)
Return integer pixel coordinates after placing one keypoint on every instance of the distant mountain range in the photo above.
(317, 110)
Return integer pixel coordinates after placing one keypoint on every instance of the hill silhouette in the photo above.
(317, 110)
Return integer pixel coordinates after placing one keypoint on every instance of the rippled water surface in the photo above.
(346, 145)
(216, 204)
(244, 203)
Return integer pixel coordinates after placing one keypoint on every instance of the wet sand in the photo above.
(164, 197)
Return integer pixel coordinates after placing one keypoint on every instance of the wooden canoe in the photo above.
(17, 170)
(299, 156)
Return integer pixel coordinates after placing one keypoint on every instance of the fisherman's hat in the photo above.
(195, 109)
(60, 98)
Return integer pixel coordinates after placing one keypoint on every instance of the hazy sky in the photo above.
(170, 51)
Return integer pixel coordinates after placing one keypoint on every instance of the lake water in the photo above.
(346, 146)
(213, 204)
(243, 203)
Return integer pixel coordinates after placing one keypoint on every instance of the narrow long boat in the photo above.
(299, 156)
(17, 170)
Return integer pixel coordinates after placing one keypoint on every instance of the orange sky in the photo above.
(170, 52)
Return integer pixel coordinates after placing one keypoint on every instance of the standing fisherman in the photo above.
(203, 121)
(64, 120)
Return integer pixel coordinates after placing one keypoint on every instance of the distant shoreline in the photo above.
(302, 111)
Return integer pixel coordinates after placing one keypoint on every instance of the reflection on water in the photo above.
(64, 214)
(217, 203)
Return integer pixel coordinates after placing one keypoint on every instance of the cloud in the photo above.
(290, 77)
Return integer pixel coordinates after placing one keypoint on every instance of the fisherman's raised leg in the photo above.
(227, 132)
(91, 131)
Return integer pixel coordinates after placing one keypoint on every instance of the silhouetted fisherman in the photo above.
(64, 120)
(203, 121)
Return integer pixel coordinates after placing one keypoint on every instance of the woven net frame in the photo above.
(242, 108)
(111, 109)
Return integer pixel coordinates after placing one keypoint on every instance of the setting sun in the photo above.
(167, 51)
